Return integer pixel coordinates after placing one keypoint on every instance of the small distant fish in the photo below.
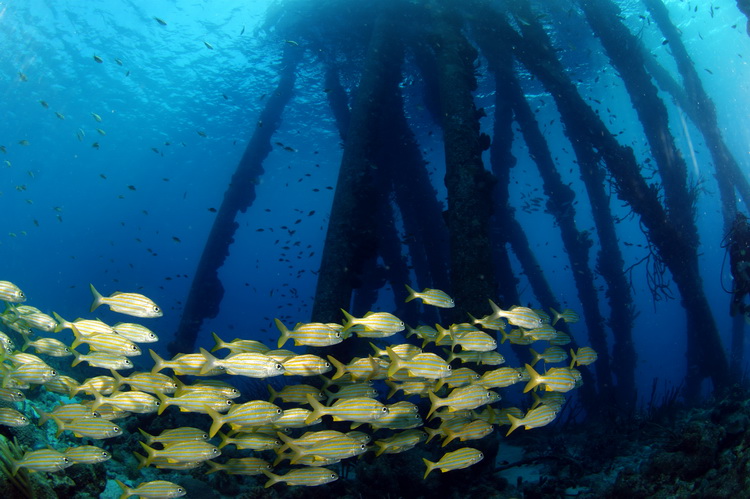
(292, 42)
(98, 59)
(101, 132)
(156, 488)
(95, 145)
(176, 239)
(160, 21)
(212, 210)
(118, 61)
(44, 104)
(201, 133)
(60, 115)
(3, 149)
(456, 460)
(208, 45)
(97, 117)
(131, 187)
(133, 304)
(243, 31)
(22, 77)
(23, 142)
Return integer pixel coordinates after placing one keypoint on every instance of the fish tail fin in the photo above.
(536, 356)
(61, 323)
(163, 402)
(98, 399)
(158, 361)
(449, 436)
(514, 423)
(59, 423)
(537, 401)
(397, 362)
(340, 368)
(150, 454)
(98, 298)
(289, 444)
(224, 440)
(126, 491)
(211, 361)
(273, 479)
(382, 446)
(285, 333)
(118, 379)
(141, 459)
(219, 342)
(410, 331)
(573, 358)
(378, 351)
(349, 320)
(534, 381)
(43, 416)
(218, 421)
(394, 388)
(557, 315)
(274, 394)
(436, 403)
(430, 466)
(214, 467)
(431, 433)
(496, 311)
(318, 411)
(148, 436)
(26, 344)
(76, 358)
(412, 294)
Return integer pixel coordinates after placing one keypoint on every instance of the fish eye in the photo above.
(401, 323)
(449, 367)
(157, 403)
(105, 454)
(279, 411)
(205, 436)
(229, 402)
(215, 451)
(151, 336)
(65, 460)
(134, 348)
(338, 334)
(20, 293)
(333, 475)
(363, 446)
(156, 309)
(116, 429)
(53, 372)
(180, 490)
(279, 367)
(327, 364)
(385, 410)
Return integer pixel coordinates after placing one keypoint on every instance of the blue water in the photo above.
(127, 218)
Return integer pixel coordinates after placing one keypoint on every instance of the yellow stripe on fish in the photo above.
(305, 476)
(429, 296)
(314, 334)
(156, 488)
(456, 460)
(535, 418)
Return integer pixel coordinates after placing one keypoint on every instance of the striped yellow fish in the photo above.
(551, 355)
(535, 418)
(465, 397)
(102, 359)
(583, 357)
(174, 435)
(456, 460)
(126, 303)
(296, 394)
(423, 365)
(402, 415)
(87, 454)
(400, 442)
(42, 460)
(195, 401)
(253, 365)
(518, 316)
(556, 379)
(305, 476)
(108, 343)
(183, 452)
(568, 315)
(88, 427)
(305, 365)
(500, 378)
(156, 488)
(315, 334)
(48, 346)
(11, 293)
(253, 413)
(238, 346)
(383, 323)
(251, 441)
(240, 466)
(433, 297)
(135, 332)
(474, 430)
(13, 418)
(146, 382)
(132, 401)
(360, 410)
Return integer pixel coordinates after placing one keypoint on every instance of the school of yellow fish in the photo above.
(459, 398)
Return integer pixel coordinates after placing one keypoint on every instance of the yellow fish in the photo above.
(126, 303)
(433, 297)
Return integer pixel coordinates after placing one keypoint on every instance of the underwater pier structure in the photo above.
(478, 230)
